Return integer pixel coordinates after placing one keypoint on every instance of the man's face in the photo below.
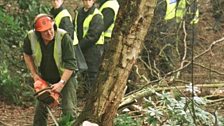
(48, 35)
(88, 3)
(56, 3)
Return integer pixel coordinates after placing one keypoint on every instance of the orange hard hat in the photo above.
(43, 22)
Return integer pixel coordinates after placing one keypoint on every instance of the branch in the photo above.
(185, 49)
(210, 47)
(4, 124)
(132, 98)
(197, 56)
(183, 62)
(212, 70)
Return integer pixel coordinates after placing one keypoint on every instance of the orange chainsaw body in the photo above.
(45, 94)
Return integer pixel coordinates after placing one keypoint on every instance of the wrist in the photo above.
(62, 81)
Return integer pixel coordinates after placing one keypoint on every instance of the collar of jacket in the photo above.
(55, 12)
(101, 2)
(90, 11)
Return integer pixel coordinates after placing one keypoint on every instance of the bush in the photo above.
(28, 10)
(168, 111)
(15, 18)
(12, 33)
(9, 86)
(126, 120)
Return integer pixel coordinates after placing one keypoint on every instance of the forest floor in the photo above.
(11, 115)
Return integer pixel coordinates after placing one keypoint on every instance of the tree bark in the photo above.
(132, 24)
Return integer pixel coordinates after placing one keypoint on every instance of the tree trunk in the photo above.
(132, 24)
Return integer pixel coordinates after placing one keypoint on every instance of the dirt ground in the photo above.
(11, 115)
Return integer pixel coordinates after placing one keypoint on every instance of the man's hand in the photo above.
(36, 77)
(57, 87)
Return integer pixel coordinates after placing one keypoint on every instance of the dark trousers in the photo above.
(93, 58)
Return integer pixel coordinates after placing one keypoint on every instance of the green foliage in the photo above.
(9, 86)
(12, 33)
(126, 120)
(66, 120)
(168, 111)
(13, 77)
(12, 88)
(171, 112)
(28, 10)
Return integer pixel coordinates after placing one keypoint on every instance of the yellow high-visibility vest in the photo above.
(36, 49)
(113, 4)
(170, 9)
(196, 17)
(75, 41)
(86, 24)
(63, 13)
(181, 11)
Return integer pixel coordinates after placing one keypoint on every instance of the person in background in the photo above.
(49, 55)
(63, 20)
(89, 27)
(109, 9)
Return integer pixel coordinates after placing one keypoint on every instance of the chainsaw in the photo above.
(44, 93)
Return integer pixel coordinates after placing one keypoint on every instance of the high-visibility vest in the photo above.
(181, 10)
(113, 4)
(86, 24)
(63, 13)
(75, 41)
(195, 18)
(36, 49)
(170, 9)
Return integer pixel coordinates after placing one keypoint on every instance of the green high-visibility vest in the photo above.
(63, 13)
(170, 9)
(113, 4)
(36, 49)
(86, 24)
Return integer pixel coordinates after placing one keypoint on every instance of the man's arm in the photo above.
(29, 59)
(69, 63)
(30, 65)
(108, 19)
(67, 25)
(66, 75)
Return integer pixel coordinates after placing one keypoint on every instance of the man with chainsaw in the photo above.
(89, 26)
(50, 57)
(63, 20)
